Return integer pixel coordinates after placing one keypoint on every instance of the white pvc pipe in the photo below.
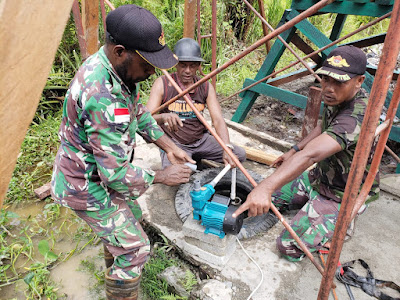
(214, 182)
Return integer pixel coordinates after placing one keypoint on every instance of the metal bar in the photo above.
(214, 42)
(264, 26)
(305, 14)
(240, 166)
(377, 97)
(283, 41)
(79, 29)
(311, 54)
(110, 5)
(394, 155)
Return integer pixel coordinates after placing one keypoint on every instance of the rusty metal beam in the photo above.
(214, 42)
(307, 13)
(377, 98)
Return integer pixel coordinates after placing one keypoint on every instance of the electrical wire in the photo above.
(262, 274)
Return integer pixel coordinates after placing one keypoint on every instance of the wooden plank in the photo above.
(189, 18)
(90, 21)
(260, 156)
(312, 111)
(30, 32)
(369, 41)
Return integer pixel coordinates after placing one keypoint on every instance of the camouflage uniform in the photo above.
(319, 192)
(93, 174)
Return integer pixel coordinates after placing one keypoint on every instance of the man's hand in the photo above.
(172, 121)
(173, 175)
(258, 202)
(179, 156)
(282, 158)
(228, 160)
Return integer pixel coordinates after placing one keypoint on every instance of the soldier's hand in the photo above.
(283, 158)
(257, 203)
(179, 156)
(172, 121)
(173, 175)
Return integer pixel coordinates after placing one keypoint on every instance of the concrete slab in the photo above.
(376, 241)
(390, 183)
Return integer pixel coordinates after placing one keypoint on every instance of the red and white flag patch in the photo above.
(121, 115)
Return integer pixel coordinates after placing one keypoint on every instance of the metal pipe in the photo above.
(394, 155)
(283, 41)
(380, 148)
(305, 14)
(240, 166)
(310, 55)
(377, 98)
(214, 42)
(110, 5)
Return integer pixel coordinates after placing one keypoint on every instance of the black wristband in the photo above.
(296, 148)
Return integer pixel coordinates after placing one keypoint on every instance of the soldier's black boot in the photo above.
(122, 289)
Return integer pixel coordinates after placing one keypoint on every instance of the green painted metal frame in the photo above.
(358, 7)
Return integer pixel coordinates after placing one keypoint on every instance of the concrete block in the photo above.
(208, 258)
(193, 229)
(213, 249)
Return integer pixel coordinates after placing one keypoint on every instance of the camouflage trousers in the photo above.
(315, 221)
(119, 229)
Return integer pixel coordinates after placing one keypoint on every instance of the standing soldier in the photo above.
(93, 171)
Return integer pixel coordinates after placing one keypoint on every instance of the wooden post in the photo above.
(90, 20)
(264, 26)
(30, 32)
(312, 111)
(189, 19)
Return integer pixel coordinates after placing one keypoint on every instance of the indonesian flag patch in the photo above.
(121, 115)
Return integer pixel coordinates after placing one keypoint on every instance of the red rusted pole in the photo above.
(240, 166)
(305, 14)
(214, 42)
(79, 29)
(310, 55)
(377, 98)
(110, 5)
(283, 41)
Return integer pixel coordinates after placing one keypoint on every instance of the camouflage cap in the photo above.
(138, 29)
(344, 63)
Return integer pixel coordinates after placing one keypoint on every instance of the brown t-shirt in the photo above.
(192, 129)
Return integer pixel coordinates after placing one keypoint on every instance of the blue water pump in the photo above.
(215, 211)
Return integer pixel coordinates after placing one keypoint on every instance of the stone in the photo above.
(213, 290)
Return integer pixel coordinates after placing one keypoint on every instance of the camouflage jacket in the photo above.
(342, 123)
(97, 133)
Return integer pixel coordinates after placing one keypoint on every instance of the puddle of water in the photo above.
(71, 279)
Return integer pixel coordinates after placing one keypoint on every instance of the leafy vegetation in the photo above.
(28, 244)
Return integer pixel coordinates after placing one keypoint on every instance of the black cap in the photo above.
(344, 63)
(136, 28)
